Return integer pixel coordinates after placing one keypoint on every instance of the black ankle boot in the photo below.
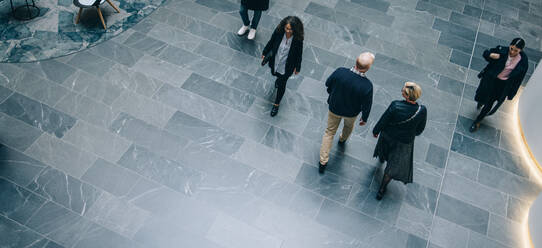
(274, 110)
(474, 127)
(380, 194)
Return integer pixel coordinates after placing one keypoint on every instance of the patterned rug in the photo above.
(54, 32)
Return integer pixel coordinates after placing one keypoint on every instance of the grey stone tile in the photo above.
(175, 37)
(482, 241)
(223, 6)
(105, 91)
(151, 111)
(366, 229)
(203, 133)
(517, 209)
(17, 134)
(463, 214)
(387, 210)
(492, 17)
(61, 188)
(487, 134)
(145, 25)
(390, 49)
(421, 197)
(506, 182)
(242, 45)
(103, 237)
(460, 58)
(244, 126)
(449, 85)
(437, 156)
(374, 4)
(321, 11)
(447, 234)
(438, 62)
(414, 221)
(191, 103)
(16, 235)
(111, 178)
(194, 10)
(287, 119)
(364, 12)
(4, 93)
(162, 70)
(448, 27)
(145, 43)
(37, 88)
(475, 193)
(427, 175)
(91, 63)
(455, 42)
(263, 88)
(463, 166)
(288, 143)
(350, 32)
(97, 140)
(61, 155)
(230, 232)
(135, 81)
(148, 136)
(435, 10)
(117, 215)
(323, 57)
(414, 241)
(486, 27)
(329, 185)
(49, 69)
(488, 154)
(18, 167)
(85, 108)
(117, 53)
(403, 69)
(453, 5)
(228, 56)
(505, 231)
(472, 11)
(465, 20)
(20, 204)
(218, 92)
(306, 203)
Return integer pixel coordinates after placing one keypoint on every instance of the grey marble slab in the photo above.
(433, 9)
(259, 87)
(244, 125)
(507, 182)
(117, 53)
(451, 86)
(465, 20)
(86, 108)
(403, 69)
(18, 167)
(323, 57)
(287, 119)
(464, 166)
(117, 215)
(363, 199)
(223, 6)
(191, 103)
(228, 56)
(321, 11)
(487, 134)
(374, 4)
(105, 91)
(175, 37)
(448, 234)
(37, 114)
(230, 232)
(517, 208)
(17, 235)
(472, 11)
(482, 241)
(328, 185)
(135, 81)
(19, 204)
(103, 237)
(414, 221)
(219, 92)
(437, 156)
(37, 88)
(193, 9)
(199, 28)
(111, 178)
(306, 203)
(455, 42)
(463, 214)
(448, 27)
(148, 136)
(145, 43)
(4, 93)
(50, 69)
(242, 44)
(505, 231)
(421, 197)
(17, 134)
(366, 13)
(63, 189)
(460, 58)
(453, 4)
(151, 111)
(427, 175)
(162, 70)
(91, 63)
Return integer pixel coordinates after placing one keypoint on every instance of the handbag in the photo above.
(267, 57)
(410, 118)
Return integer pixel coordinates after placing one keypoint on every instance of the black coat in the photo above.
(397, 112)
(256, 4)
(486, 92)
(294, 55)
(349, 93)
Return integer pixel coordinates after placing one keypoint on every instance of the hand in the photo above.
(494, 55)
(295, 71)
(375, 135)
(263, 57)
(361, 123)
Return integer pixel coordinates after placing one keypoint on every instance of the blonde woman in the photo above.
(396, 130)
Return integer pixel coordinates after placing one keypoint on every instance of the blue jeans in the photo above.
(255, 19)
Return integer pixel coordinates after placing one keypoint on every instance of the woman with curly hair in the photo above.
(283, 52)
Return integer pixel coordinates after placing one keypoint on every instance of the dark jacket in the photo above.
(294, 55)
(349, 93)
(398, 111)
(486, 91)
(256, 4)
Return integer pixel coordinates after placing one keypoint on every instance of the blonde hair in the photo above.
(412, 91)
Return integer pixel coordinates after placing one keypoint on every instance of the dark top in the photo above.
(485, 90)
(294, 55)
(397, 112)
(349, 93)
(256, 4)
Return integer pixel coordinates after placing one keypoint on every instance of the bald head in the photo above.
(364, 61)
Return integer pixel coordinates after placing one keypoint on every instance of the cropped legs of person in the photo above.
(333, 122)
(280, 83)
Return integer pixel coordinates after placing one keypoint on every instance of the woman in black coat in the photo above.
(258, 6)
(501, 78)
(284, 52)
(397, 128)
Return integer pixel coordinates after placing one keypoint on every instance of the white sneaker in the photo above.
(252, 34)
(242, 30)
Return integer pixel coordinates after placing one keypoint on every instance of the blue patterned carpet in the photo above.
(54, 33)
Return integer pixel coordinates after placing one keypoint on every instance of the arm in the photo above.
(384, 120)
(492, 54)
(366, 106)
(269, 44)
(330, 82)
(299, 58)
(421, 125)
(517, 83)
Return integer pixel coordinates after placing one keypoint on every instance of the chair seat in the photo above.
(86, 3)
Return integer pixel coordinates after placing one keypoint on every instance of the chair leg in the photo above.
(101, 17)
(113, 5)
(78, 15)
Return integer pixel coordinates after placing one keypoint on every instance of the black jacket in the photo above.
(485, 91)
(294, 55)
(349, 93)
(256, 4)
(398, 111)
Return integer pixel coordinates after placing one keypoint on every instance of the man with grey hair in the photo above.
(350, 92)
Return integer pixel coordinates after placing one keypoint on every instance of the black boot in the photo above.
(383, 186)
(479, 105)
(474, 127)
(274, 110)
(321, 167)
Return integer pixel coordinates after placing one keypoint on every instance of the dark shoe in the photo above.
(274, 110)
(479, 105)
(341, 143)
(321, 167)
(474, 127)
(380, 194)
(381, 159)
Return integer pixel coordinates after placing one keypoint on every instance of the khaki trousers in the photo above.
(333, 122)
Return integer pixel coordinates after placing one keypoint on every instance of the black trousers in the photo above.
(280, 83)
(488, 109)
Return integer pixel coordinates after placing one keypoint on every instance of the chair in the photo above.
(91, 3)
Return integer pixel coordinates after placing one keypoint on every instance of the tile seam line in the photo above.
(34, 231)
(455, 128)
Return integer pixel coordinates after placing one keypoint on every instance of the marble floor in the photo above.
(161, 136)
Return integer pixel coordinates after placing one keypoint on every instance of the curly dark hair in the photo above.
(295, 23)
